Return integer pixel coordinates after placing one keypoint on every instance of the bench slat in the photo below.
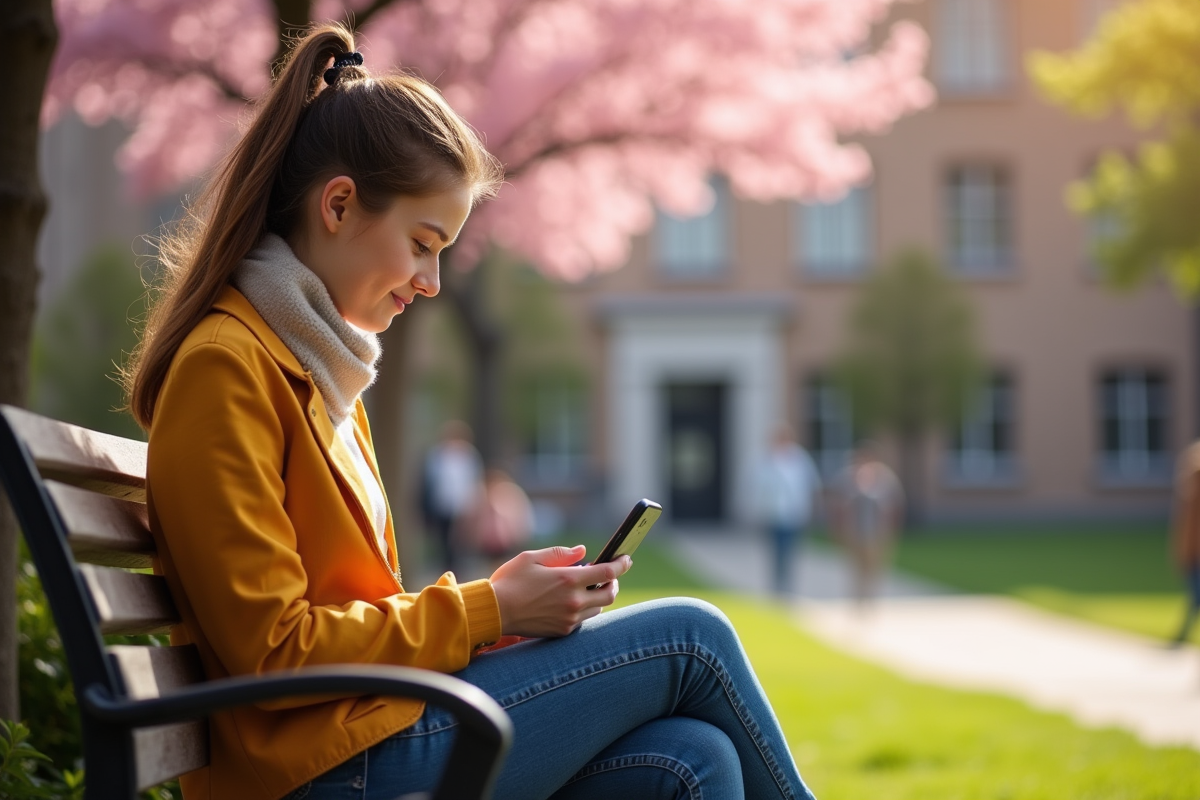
(97, 461)
(168, 751)
(150, 672)
(129, 602)
(103, 530)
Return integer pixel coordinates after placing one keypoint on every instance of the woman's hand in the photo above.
(543, 593)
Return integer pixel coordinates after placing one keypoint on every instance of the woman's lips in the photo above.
(400, 302)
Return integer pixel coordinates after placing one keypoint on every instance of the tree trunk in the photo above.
(1196, 368)
(388, 400)
(27, 38)
(912, 478)
(485, 341)
(291, 18)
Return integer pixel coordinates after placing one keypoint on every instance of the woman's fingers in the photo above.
(594, 574)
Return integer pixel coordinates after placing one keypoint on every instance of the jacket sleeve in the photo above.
(216, 461)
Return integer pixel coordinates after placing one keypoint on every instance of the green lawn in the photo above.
(1120, 577)
(859, 731)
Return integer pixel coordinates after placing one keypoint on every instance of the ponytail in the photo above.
(394, 136)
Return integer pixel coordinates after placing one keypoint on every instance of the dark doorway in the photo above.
(695, 451)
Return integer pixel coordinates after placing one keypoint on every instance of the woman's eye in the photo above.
(422, 248)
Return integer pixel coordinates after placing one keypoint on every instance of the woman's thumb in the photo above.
(559, 556)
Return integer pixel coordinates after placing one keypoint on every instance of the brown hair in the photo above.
(393, 135)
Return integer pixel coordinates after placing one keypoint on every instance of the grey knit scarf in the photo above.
(297, 306)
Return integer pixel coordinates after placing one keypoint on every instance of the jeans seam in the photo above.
(670, 764)
(706, 657)
(366, 776)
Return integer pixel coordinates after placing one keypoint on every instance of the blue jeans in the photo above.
(657, 700)
(785, 538)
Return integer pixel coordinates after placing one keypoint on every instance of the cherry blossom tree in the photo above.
(599, 109)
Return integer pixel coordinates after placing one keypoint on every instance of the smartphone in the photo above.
(630, 533)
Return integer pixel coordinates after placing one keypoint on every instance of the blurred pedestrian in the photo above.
(500, 521)
(789, 486)
(452, 476)
(1186, 535)
(866, 515)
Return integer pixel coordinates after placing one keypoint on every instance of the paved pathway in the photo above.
(1097, 676)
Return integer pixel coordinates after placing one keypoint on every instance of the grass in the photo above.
(859, 731)
(1120, 577)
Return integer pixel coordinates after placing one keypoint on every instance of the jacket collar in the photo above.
(235, 304)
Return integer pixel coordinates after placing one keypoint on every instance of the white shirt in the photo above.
(378, 509)
(788, 483)
(454, 472)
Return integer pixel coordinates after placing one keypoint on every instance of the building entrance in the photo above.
(695, 459)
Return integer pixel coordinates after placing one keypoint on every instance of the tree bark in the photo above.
(28, 37)
(912, 478)
(485, 342)
(291, 18)
(388, 400)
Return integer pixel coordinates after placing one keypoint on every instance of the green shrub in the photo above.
(27, 773)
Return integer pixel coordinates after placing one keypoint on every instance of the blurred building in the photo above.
(721, 326)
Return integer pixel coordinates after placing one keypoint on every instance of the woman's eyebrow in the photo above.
(436, 229)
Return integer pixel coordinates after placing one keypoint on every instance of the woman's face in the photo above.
(374, 265)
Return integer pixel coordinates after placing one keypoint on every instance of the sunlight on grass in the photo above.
(1119, 577)
(1155, 615)
(858, 731)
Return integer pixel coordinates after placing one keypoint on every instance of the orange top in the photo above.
(260, 520)
(1186, 535)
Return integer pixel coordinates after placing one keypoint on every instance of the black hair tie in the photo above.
(354, 59)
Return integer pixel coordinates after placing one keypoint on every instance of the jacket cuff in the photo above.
(483, 612)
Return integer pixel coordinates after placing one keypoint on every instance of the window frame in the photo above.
(1157, 464)
(1000, 420)
(1002, 261)
(802, 223)
(720, 216)
(970, 48)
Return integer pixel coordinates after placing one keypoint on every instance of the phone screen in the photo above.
(631, 532)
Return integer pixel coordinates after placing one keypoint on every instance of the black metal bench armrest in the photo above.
(485, 731)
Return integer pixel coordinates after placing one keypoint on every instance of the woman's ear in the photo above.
(337, 195)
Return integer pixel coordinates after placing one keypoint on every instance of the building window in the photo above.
(830, 426)
(696, 247)
(979, 219)
(973, 53)
(834, 239)
(983, 443)
(1133, 426)
(557, 443)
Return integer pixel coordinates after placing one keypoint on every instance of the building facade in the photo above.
(721, 327)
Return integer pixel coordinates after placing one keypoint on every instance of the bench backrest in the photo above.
(80, 498)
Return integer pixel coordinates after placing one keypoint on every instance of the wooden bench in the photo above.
(80, 498)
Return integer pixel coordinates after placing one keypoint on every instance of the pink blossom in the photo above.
(601, 110)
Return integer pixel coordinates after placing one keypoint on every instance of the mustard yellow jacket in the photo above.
(259, 516)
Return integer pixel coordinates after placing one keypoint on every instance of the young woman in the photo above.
(274, 535)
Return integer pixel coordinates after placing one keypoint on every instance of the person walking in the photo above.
(790, 485)
(867, 513)
(500, 521)
(1186, 536)
(453, 477)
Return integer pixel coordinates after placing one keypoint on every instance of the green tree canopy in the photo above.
(911, 364)
(1143, 59)
(80, 340)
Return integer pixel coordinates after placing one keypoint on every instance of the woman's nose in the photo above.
(428, 279)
